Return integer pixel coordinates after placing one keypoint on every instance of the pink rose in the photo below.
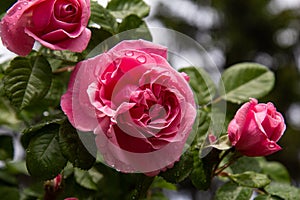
(256, 128)
(139, 107)
(56, 24)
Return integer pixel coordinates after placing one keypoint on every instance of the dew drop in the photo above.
(129, 53)
(271, 146)
(25, 3)
(141, 59)
(19, 8)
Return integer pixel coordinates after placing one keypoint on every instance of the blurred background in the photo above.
(262, 31)
(231, 31)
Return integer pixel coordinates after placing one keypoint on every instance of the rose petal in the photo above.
(141, 45)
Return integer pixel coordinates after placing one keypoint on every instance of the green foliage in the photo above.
(44, 159)
(201, 83)
(232, 191)
(103, 18)
(250, 179)
(27, 80)
(123, 8)
(245, 80)
(10, 193)
(283, 190)
(6, 147)
(73, 149)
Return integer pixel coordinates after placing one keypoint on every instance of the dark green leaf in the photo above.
(9, 193)
(74, 150)
(284, 191)
(138, 28)
(103, 18)
(162, 183)
(181, 169)
(5, 5)
(201, 174)
(201, 83)
(245, 80)
(87, 179)
(6, 147)
(250, 179)
(122, 8)
(30, 132)
(7, 178)
(98, 36)
(44, 159)
(231, 191)
(275, 170)
(27, 80)
(17, 168)
(246, 164)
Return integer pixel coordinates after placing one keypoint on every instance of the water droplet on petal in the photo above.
(129, 53)
(19, 8)
(141, 59)
(271, 145)
(25, 3)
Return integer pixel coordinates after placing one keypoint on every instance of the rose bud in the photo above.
(256, 128)
(56, 24)
(140, 108)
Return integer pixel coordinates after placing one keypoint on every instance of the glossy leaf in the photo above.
(284, 191)
(266, 197)
(123, 8)
(73, 149)
(181, 169)
(231, 191)
(245, 80)
(246, 164)
(276, 171)
(250, 179)
(44, 159)
(103, 18)
(34, 130)
(201, 83)
(27, 80)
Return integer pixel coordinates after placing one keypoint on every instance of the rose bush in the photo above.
(140, 108)
(256, 128)
(56, 24)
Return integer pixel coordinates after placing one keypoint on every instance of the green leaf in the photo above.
(246, 164)
(201, 83)
(250, 179)
(276, 171)
(10, 193)
(8, 116)
(103, 18)
(266, 197)
(223, 143)
(162, 183)
(6, 147)
(201, 174)
(27, 80)
(138, 28)
(284, 191)
(73, 149)
(17, 168)
(122, 8)
(8, 178)
(245, 80)
(180, 170)
(87, 179)
(30, 132)
(44, 159)
(231, 191)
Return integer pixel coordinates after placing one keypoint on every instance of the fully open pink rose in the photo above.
(140, 108)
(256, 128)
(56, 24)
